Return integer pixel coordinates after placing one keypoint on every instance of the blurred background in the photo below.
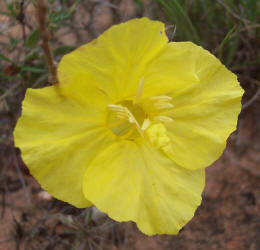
(229, 216)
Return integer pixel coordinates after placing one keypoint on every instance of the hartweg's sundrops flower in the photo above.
(131, 126)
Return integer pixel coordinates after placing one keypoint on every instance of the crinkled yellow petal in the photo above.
(83, 89)
(206, 98)
(179, 65)
(58, 138)
(134, 181)
(116, 60)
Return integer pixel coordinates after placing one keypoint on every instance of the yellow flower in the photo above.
(131, 126)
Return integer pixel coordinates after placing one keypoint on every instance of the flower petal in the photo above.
(116, 59)
(84, 90)
(206, 98)
(178, 66)
(58, 138)
(130, 181)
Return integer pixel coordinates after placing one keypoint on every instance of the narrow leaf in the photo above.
(33, 38)
(33, 69)
(224, 41)
(4, 58)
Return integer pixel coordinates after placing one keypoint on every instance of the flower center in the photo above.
(125, 119)
(130, 119)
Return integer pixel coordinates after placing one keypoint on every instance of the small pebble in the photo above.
(43, 195)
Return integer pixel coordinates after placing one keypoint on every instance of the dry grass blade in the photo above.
(232, 12)
(9, 91)
(252, 100)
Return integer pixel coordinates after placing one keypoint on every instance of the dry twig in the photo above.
(252, 100)
(45, 36)
(21, 20)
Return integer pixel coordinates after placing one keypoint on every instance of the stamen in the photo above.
(160, 98)
(139, 91)
(120, 110)
(115, 107)
(162, 118)
(125, 114)
(163, 105)
(161, 102)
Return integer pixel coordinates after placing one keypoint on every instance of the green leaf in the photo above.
(13, 42)
(233, 46)
(4, 76)
(62, 50)
(12, 11)
(33, 39)
(59, 17)
(4, 58)
(251, 9)
(140, 4)
(33, 54)
(224, 41)
(33, 69)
